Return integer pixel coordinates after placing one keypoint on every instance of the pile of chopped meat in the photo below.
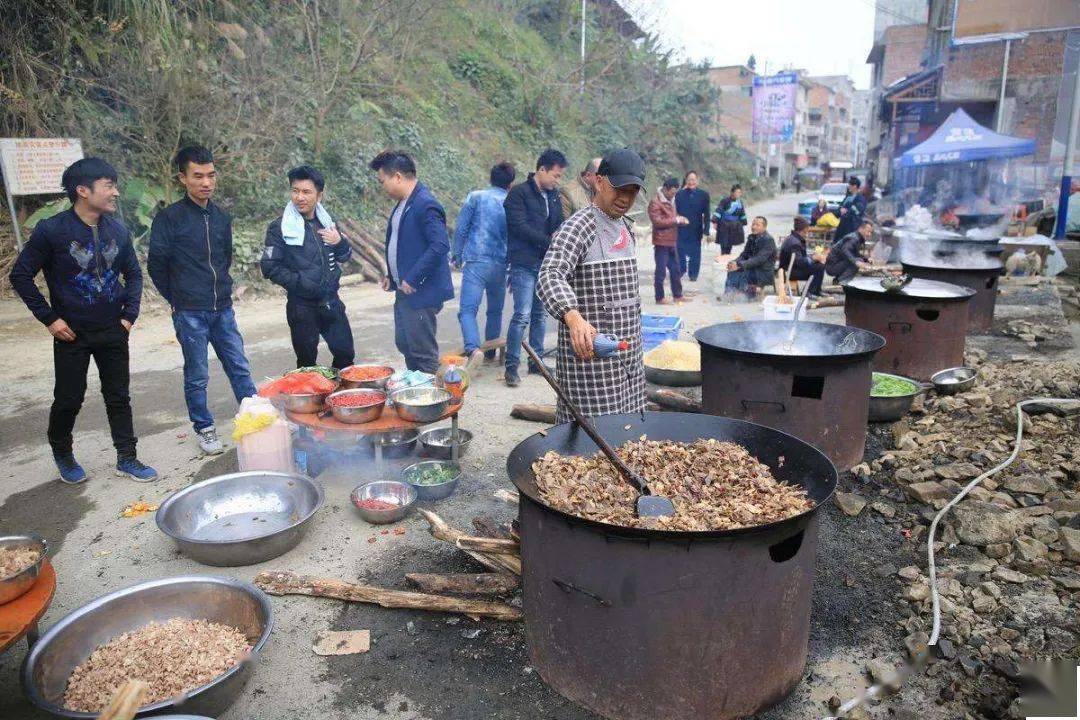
(14, 560)
(172, 658)
(714, 485)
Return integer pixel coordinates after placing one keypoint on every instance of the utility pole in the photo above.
(999, 122)
(1068, 168)
(581, 88)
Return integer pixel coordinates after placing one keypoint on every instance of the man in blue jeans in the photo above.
(480, 250)
(533, 214)
(189, 260)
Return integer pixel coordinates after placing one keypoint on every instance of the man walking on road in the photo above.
(303, 254)
(533, 214)
(83, 253)
(417, 259)
(578, 194)
(190, 255)
(693, 204)
(665, 228)
(479, 249)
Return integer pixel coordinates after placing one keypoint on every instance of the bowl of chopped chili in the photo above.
(383, 501)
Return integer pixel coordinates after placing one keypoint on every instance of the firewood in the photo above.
(288, 583)
(671, 400)
(496, 546)
(464, 583)
(441, 530)
(534, 413)
(487, 528)
(126, 702)
(826, 302)
(508, 496)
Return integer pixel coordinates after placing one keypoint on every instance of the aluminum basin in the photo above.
(49, 664)
(241, 518)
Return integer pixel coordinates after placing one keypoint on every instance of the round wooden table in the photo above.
(19, 618)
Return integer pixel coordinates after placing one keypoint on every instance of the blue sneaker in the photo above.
(134, 469)
(71, 472)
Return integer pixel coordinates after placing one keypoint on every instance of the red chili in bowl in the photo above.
(357, 399)
(373, 504)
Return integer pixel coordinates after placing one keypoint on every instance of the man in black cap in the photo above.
(589, 281)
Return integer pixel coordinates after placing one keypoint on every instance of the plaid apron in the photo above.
(602, 284)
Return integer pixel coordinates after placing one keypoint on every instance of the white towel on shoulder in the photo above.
(292, 223)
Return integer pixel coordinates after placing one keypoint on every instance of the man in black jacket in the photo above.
(189, 260)
(754, 266)
(845, 257)
(533, 214)
(795, 257)
(304, 253)
(84, 253)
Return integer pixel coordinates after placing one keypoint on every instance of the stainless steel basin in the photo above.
(241, 518)
(70, 641)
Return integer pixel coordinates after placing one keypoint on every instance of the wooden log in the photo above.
(441, 530)
(489, 546)
(534, 413)
(464, 583)
(288, 583)
(671, 400)
(487, 527)
(126, 702)
(508, 496)
(826, 302)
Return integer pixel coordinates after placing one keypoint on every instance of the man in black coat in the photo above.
(802, 265)
(846, 257)
(95, 286)
(304, 253)
(533, 214)
(754, 266)
(852, 208)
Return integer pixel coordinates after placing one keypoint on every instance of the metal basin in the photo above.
(21, 582)
(954, 380)
(378, 383)
(888, 408)
(238, 604)
(436, 443)
(433, 492)
(241, 518)
(672, 378)
(357, 415)
(421, 405)
(401, 494)
(395, 443)
(307, 403)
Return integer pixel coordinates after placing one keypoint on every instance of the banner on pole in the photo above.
(774, 107)
(33, 166)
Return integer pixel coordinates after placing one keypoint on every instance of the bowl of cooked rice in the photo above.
(674, 363)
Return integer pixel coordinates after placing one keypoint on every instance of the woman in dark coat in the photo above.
(729, 218)
(820, 209)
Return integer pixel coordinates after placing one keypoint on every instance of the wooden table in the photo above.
(321, 424)
(19, 618)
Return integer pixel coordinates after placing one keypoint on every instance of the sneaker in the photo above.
(134, 469)
(71, 472)
(664, 301)
(512, 379)
(476, 358)
(209, 441)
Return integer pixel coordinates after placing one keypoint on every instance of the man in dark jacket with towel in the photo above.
(754, 266)
(95, 286)
(796, 261)
(303, 254)
(417, 259)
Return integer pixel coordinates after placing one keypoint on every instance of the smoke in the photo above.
(774, 337)
(947, 255)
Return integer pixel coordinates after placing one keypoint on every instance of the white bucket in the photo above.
(719, 274)
(773, 311)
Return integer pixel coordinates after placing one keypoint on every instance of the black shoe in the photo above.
(533, 370)
(512, 379)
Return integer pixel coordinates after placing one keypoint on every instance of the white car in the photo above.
(833, 192)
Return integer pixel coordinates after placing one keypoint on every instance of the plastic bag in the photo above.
(828, 220)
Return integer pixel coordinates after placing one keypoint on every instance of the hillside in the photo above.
(268, 85)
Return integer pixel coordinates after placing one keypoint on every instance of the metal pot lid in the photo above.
(773, 340)
(917, 289)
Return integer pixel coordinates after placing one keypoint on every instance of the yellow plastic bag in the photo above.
(828, 220)
(247, 423)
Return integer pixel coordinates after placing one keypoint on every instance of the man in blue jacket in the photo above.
(84, 252)
(852, 208)
(480, 251)
(189, 260)
(692, 203)
(304, 253)
(417, 252)
(533, 214)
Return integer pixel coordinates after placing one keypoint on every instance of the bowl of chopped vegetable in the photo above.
(356, 406)
(420, 404)
(954, 380)
(21, 558)
(433, 479)
(373, 377)
(383, 501)
(891, 397)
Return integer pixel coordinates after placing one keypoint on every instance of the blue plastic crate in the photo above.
(655, 329)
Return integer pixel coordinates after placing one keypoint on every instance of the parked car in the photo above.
(833, 192)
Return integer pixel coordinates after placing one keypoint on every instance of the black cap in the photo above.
(623, 167)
